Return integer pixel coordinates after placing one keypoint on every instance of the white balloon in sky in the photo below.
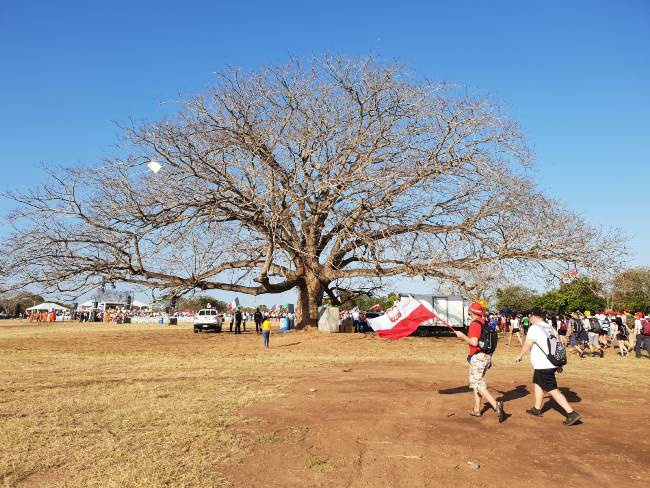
(154, 166)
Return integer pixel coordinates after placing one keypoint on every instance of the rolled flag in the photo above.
(402, 319)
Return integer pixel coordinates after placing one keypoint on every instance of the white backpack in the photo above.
(556, 350)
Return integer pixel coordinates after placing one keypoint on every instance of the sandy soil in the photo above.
(316, 410)
(406, 425)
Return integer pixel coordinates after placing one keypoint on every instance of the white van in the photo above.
(208, 319)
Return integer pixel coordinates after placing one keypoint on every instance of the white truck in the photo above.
(208, 319)
(452, 309)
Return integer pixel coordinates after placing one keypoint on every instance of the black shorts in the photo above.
(561, 332)
(603, 332)
(545, 378)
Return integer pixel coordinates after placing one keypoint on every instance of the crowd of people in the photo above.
(583, 333)
(580, 332)
(45, 316)
(548, 338)
(124, 316)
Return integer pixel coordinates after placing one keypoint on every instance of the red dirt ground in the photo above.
(357, 411)
(399, 425)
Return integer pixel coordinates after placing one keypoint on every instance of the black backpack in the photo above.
(595, 325)
(577, 326)
(489, 338)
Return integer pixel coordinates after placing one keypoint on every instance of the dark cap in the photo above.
(536, 311)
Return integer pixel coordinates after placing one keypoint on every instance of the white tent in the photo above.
(47, 307)
(138, 304)
(85, 306)
(101, 305)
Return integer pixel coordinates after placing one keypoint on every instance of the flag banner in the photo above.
(375, 308)
(402, 319)
(233, 305)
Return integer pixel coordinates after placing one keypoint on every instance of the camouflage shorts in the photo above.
(478, 365)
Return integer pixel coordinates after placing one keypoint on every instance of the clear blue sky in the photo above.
(575, 74)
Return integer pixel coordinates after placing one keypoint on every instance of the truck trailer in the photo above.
(453, 309)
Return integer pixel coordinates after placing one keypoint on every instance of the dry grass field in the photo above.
(127, 405)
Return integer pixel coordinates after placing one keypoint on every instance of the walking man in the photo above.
(238, 319)
(643, 338)
(355, 319)
(637, 329)
(514, 329)
(479, 363)
(525, 323)
(544, 372)
(577, 334)
(258, 318)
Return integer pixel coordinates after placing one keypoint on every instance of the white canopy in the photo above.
(85, 305)
(89, 305)
(47, 306)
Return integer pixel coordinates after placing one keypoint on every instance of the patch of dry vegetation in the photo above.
(96, 405)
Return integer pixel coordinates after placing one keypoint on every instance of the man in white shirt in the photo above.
(356, 321)
(637, 329)
(642, 336)
(514, 329)
(544, 375)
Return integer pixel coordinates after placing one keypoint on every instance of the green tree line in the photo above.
(630, 291)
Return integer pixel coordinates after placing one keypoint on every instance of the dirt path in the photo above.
(397, 424)
(122, 406)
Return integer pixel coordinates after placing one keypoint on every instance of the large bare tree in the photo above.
(309, 177)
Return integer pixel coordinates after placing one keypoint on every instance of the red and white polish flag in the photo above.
(402, 319)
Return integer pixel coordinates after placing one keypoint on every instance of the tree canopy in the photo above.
(515, 298)
(631, 290)
(323, 178)
(9, 301)
(579, 295)
(348, 301)
(199, 302)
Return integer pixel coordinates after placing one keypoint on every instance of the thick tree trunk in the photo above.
(310, 298)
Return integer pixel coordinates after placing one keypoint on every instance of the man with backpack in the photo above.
(577, 335)
(547, 355)
(238, 320)
(258, 318)
(482, 341)
(643, 338)
(592, 326)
